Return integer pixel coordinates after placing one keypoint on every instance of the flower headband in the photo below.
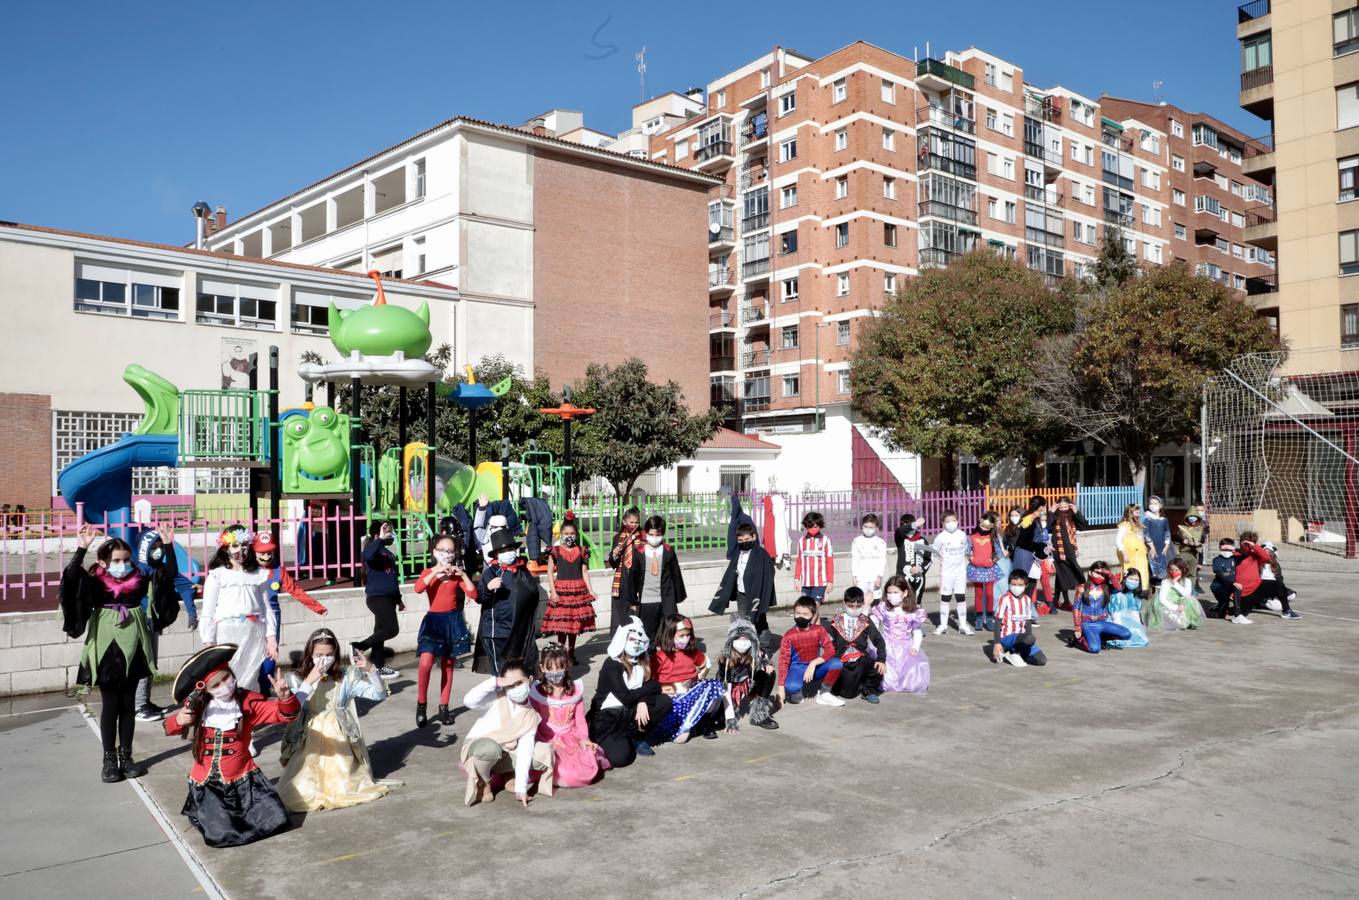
(236, 535)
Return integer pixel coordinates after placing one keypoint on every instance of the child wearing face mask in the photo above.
(913, 554)
(1224, 585)
(622, 557)
(325, 761)
(627, 699)
(230, 801)
(280, 581)
(682, 669)
(748, 581)
(504, 740)
(105, 605)
(1012, 633)
(508, 594)
(1176, 605)
(560, 704)
(1159, 546)
(868, 558)
(1009, 542)
(654, 585)
(382, 593)
(236, 606)
(443, 631)
(983, 566)
(570, 602)
(807, 659)
(1125, 607)
(1090, 614)
(744, 668)
(814, 567)
(951, 547)
(902, 624)
(859, 645)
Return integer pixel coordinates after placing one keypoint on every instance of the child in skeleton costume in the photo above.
(230, 801)
(682, 670)
(236, 606)
(747, 673)
(859, 646)
(953, 547)
(324, 757)
(902, 624)
(627, 699)
(913, 555)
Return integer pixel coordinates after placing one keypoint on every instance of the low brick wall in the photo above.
(35, 656)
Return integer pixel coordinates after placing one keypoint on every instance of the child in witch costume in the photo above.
(860, 647)
(280, 579)
(570, 602)
(104, 604)
(748, 675)
(230, 801)
(508, 593)
(443, 630)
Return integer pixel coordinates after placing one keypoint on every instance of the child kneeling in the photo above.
(1013, 629)
(807, 659)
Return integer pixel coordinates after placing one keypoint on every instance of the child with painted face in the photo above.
(1092, 620)
(443, 630)
(748, 675)
(868, 558)
(859, 645)
(570, 601)
(105, 605)
(236, 606)
(902, 624)
(814, 565)
(504, 740)
(682, 669)
(324, 757)
(1012, 633)
(807, 659)
(627, 699)
(560, 704)
(230, 801)
(952, 548)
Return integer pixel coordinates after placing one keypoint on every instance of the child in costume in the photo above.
(807, 659)
(504, 740)
(1009, 541)
(859, 647)
(654, 586)
(1271, 581)
(570, 602)
(230, 801)
(443, 631)
(744, 668)
(1158, 540)
(1176, 605)
(151, 554)
(508, 594)
(626, 549)
(324, 757)
(627, 699)
(1131, 540)
(1125, 608)
(1012, 632)
(280, 580)
(1190, 540)
(951, 546)
(236, 606)
(983, 566)
(814, 565)
(1224, 585)
(560, 704)
(1031, 540)
(913, 555)
(902, 625)
(682, 669)
(105, 605)
(1067, 520)
(1256, 581)
(868, 557)
(382, 593)
(748, 580)
(1091, 618)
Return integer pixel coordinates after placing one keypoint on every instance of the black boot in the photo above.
(111, 772)
(445, 716)
(129, 768)
(420, 717)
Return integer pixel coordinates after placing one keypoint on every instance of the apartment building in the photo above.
(570, 250)
(1214, 204)
(844, 174)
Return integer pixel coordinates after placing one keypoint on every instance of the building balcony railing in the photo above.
(1050, 157)
(935, 258)
(721, 364)
(756, 404)
(1258, 146)
(1257, 78)
(1045, 196)
(1045, 108)
(721, 318)
(933, 67)
(719, 277)
(755, 222)
(1260, 215)
(749, 177)
(1258, 285)
(753, 315)
(753, 358)
(941, 210)
(755, 267)
(939, 115)
(1045, 238)
(712, 151)
(722, 192)
(1116, 141)
(1246, 12)
(1121, 219)
(721, 234)
(927, 161)
(754, 134)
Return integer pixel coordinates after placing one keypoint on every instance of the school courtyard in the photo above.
(1217, 763)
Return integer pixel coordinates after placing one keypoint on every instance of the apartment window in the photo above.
(239, 305)
(1257, 52)
(889, 286)
(721, 100)
(681, 149)
(842, 381)
(764, 78)
(1181, 232)
(889, 188)
(1177, 163)
(839, 90)
(842, 139)
(991, 74)
(1007, 81)
(842, 187)
(1239, 282)
(1082, 112)
(842, 284)
(889, 139)
(1204, 203)
(1011, 209)
(1349, 253)
(788, 337)
(842, 234)
(889, 234)
(419, 255)
(1075, 151)
(787, 102)
(889, 92)
(1238, 251)
(791, 385)
(1347, 106)
(108, 290)
(1176, 128)
(1151, 179)
(1205, 136)
(788, 196)
(1146, 251)
(1007, 168)
(1239, 220)
(788, 241)
(1151, 142)
(992, 121)
(1088, 194)
(993, 207)
(1007, 124)
(1346, 28)
(1151, 215)
(1349, 166)
(1349, 326)
(789, 290)
(788, 150)
(419, 179)
(1177, 196)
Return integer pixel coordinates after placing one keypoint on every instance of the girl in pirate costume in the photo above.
(236, 606)
(230, 801)
(325, 760)
(570, 602)
(682, 669)
(104, 604)
(748, 675)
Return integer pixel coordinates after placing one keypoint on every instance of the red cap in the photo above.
(265, 543)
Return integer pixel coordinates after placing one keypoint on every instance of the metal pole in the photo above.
(401, 435)
(355, 439)
(566, 451)
(429, 440)
(505, 467)
(472, 438)
(817, 376)
(1203, 454)
(275, 444)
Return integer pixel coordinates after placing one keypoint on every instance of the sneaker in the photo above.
(768, 724)
(826, 698)
(1290, 615)
(1292, 595)
(150, 713)
(1015, 659)
(386, 673)
(1273, 605)
(643, 748)
(254, 751)
(1241, 620)
(965, 628)
(942, 629)
(870, 698)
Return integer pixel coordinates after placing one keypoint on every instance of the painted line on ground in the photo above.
(34, 712)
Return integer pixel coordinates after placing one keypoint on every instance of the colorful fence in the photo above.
(1105, 505)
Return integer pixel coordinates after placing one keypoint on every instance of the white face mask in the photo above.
(1154, 507)
(741, 645)
(870, 530)
(443, 557)
(1014, 518)
(1017, 590)
(224, 691)
(507, 557)
(950, 526)
(655, 540)
(518, 694)
(635, 648)
(1227, 552)
(323, 663)
(895, 597)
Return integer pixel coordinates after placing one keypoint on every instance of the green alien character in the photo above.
(380, 329)
(316, 453)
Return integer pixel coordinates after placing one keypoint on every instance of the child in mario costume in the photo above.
(230, 801)
(266, 551)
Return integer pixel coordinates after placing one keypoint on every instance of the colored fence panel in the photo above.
(1105, 505)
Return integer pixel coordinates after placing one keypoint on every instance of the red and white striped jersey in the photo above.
(815, 563)
(1014, 613)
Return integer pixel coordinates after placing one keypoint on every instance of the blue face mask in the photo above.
(120, 570)
(1133, 584)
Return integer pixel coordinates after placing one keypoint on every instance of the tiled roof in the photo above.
(726, 439)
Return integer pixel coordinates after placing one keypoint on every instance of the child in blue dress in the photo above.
(1125, 608)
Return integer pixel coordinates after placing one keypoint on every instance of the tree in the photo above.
(638, 425)
(1131, 373)
(1115, 264)
(946, 366)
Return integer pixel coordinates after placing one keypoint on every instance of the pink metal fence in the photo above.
(844, 510)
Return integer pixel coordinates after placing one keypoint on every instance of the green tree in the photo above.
(1115, 265)
(947, 365)
(638, 425)
(1131, 373)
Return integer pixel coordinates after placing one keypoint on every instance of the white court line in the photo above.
(1309, 615)
(210, 888)
(34, 712)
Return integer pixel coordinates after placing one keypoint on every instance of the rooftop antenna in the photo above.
(1156, 89)
(641, 69)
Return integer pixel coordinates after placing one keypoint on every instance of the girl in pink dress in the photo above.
(560, 705)
(902, 624)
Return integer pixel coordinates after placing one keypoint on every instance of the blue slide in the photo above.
(102, 479)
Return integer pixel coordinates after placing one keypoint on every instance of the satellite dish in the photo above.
(714, 229)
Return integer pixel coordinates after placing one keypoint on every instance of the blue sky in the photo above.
(117, 117)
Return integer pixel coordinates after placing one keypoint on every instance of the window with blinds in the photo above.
(127, 291)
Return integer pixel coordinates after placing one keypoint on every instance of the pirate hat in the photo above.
(202, 664)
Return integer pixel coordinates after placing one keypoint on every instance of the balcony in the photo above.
(755, 222)
(754, 134)
(1050, 158)
(1118, 219)
(1257, 91)
(1263, 287)
(935, 258)
(942, 210)
(1051, 239)
(1262, 228)
(1257, 159)
(721, 318)
(755, 268)
(752, 316)
(931, 73)
(714, 156)
(946, 118)
(751, 176)
(754, 359)
(720, 280)
(721, 364)
(1044, 108)
(1252, 18)
(1043, 195)
(720, 236)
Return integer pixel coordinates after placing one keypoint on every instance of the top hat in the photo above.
(503, 540)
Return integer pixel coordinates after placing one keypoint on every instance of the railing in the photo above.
(721, 319)
(755, 404)
(721, 192)
(1257, 77)
(1043, 109)
(1260, 285)
(1252, 10)
(942, 210)
(721, 363)
(1116, 141)
(1105, 505)
(751, 314)
(1043, 195)
(928, 160)
(945, 71)
(1055, 240)
(723, 234)
(1046, 154)
(1114, 217)
(755, 267)
(1258, 146)
(935, 258)
(1260, 215)
(750, 358)
(712, 151)
(720, 277)
(938, 115)
(226, 425)
(751, 135)
(1001, 502)
(751, 177)
(755, 222)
